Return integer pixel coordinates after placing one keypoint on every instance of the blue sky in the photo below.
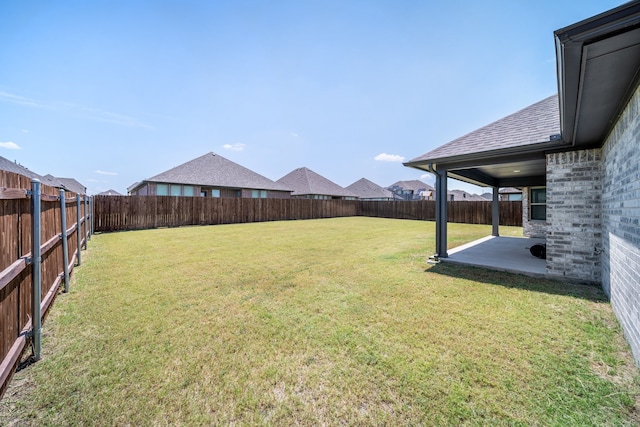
(113, 92)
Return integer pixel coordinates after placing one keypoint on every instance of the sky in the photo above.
(114, 92)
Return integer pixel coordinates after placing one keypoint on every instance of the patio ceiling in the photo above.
(515, 173)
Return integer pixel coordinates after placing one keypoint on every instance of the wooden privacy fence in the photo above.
(471, 212)
(42, 230)
(118, 213)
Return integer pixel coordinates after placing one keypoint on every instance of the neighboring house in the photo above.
(418, 190)
(210, 175)
(69, 184)
(576, 157)
(367, 190)
(15, 167)
(510, 194)
(72, 185)
(306, 184)
(462, 196)
(109, 193)
(412, 190)
(52, 181)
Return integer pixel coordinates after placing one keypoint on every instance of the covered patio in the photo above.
(510, 152)
(510, 254)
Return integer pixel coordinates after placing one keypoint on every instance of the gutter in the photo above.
(541, 147)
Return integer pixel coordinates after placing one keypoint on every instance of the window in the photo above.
(188, 190)
(538, 204)
(203, 193)
(176, 190)
(162, 189)
(259, 194)
(215, 192)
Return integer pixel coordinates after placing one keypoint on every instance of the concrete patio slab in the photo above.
(501, 253)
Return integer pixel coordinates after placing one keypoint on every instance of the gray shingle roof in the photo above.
(72, 185)
(304, 181)
(9, 166)
(510, 190)
(216, 171)
(415, 184)
(463, 196)
(534, 124)
(109, 193)
(52, 181)
(366, 189)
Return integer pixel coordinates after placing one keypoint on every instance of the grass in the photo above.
(320, 322)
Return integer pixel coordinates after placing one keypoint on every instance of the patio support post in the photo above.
(495, 212)
(441, 214)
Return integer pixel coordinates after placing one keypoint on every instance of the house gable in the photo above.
(365, 189)
(307, 183)
(212, 171)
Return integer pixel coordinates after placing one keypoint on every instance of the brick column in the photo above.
(574, 214)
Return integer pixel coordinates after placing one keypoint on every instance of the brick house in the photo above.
(210, 175)
(576, 157)
(367, 190)
(307, 184)
(412, 190)
(510, 194)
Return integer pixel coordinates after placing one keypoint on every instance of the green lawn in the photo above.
(319, 322)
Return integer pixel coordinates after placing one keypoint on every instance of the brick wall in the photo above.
(531, 228)
(621, 221)
(574, 214)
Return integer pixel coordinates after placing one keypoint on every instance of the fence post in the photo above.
(91, 225)
(36, 260)
(65, 243)
(78, 228)
(85, 224)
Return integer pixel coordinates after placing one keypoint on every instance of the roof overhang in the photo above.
(512, 167)
(598, 63)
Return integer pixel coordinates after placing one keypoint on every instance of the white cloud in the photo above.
(10, 145)
(234, 147)
(384, 157)
(295, 135)
(428, 177)
(99, 172)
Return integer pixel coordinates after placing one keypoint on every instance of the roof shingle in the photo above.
(13, 167)
(534, 124)
(366, 189)
(304, 181)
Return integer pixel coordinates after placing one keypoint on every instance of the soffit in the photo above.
(598, 65)
(610, 68)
